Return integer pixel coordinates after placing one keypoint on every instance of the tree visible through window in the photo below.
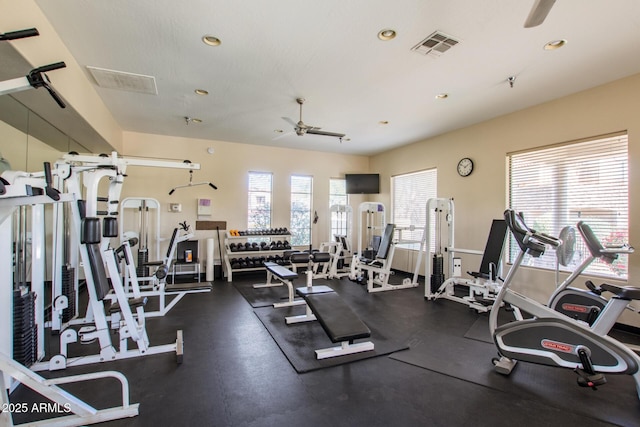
(301, 210)
(585, 181)
(259, 212)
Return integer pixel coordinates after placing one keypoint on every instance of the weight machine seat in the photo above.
(279, 271)
(133, 304)
(336, 317)
(623, 292)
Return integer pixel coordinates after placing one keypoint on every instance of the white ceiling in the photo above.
(327, 52)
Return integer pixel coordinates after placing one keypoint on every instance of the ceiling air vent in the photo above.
(120, 80)
(435, 45)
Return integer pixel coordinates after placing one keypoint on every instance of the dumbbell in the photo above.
(286, 244)
(263, 246)
(234, 263)
(233, 247)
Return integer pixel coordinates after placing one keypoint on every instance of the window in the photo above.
(338, 202)
(560, 185)
(259, 212)
(301, 210)
(337, 191)
(410, 193)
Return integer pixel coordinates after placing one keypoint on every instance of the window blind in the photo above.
(411, 192)
(560, 185)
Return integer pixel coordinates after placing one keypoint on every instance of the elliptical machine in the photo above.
(551, 338)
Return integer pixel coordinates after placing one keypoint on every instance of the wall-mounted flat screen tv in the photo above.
(362, 183)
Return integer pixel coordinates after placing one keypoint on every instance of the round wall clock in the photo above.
(465, 167)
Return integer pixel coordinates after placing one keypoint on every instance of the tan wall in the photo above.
(482, 196)
(228, 168)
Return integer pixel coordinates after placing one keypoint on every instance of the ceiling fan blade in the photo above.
(290, 121)
(283, 135)
(316, 131)
(538, 13)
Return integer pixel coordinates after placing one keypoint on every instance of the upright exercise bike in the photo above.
(582, 304)
(550, 337)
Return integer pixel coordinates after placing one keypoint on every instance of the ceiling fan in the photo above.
(538, 13)
(301, 128)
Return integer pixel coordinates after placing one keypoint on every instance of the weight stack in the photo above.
(143, 258)
(68, 290)
(437, 273)
(25, 334)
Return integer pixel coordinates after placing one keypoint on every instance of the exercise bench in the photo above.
(340, 323)
(285, 276)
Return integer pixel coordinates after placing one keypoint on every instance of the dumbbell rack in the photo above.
(251, 238)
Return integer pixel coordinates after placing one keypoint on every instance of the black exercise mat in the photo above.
(479, 331)
(470, 360)
(299, 341)
(262, 297)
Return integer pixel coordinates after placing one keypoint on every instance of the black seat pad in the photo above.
(308, 290)
(133, 303)
(336, 317)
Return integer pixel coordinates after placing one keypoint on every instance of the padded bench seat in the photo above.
(336, 317)
(285, 276)
(339, 322)
(279, 271)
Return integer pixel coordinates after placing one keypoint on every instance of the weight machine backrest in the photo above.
(385, 243)
(172, 241)
(493, 250)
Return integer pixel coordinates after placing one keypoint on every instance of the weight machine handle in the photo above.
(37, 80)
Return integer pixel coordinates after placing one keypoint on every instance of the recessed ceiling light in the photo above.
(384, 122)
(387, 34)
(442, 96)
(555, 44)
(201, 92)
(211, 40)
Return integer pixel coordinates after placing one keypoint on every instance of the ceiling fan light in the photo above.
(555, 44)
(387, 34)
